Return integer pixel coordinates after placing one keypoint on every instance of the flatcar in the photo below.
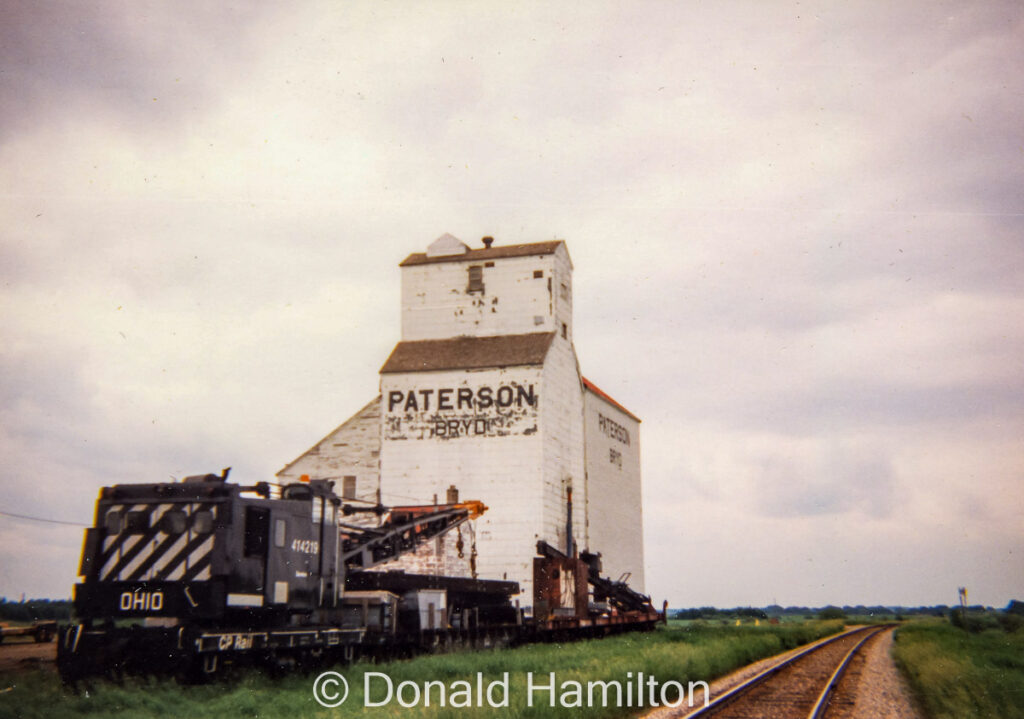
(190, 577)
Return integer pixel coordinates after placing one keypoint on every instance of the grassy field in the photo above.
(958, 675)
(681, 653)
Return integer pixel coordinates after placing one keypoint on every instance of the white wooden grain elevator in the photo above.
(483, 393)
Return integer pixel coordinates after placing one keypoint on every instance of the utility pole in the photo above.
(963, 606)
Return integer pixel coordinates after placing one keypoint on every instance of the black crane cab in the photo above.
(205, 549)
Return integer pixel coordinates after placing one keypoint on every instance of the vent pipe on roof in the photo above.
(488, 241)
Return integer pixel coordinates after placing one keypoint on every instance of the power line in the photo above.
(42, 519)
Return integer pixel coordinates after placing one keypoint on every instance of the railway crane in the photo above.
(189, 577)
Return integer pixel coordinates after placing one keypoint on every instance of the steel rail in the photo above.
(820, 706)
(722, 700)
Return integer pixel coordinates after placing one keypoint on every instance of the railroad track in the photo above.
(797, 688)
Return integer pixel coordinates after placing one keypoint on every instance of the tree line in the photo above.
(35, 609)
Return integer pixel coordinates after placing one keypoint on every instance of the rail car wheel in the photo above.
(200, 670)
(281, 665)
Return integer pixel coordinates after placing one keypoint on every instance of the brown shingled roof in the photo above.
(536, 248)
(469, 353)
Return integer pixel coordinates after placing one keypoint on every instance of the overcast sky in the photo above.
(797, 230)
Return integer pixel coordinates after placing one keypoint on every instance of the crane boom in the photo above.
(404, 529)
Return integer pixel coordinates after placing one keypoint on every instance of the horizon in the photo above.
(796, 235)
(676, 608)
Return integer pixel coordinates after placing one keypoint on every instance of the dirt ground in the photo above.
(18, 654)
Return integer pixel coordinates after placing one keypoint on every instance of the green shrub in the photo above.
(958, 675)
(831, 612)
(1010, 622)
(976, 621)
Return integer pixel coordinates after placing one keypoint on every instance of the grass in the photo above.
(957, 675)
(695, 652)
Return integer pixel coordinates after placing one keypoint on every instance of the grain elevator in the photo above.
(483, 395)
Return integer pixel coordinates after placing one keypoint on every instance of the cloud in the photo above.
(831, 481)
(795, 232)
(140, 66)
